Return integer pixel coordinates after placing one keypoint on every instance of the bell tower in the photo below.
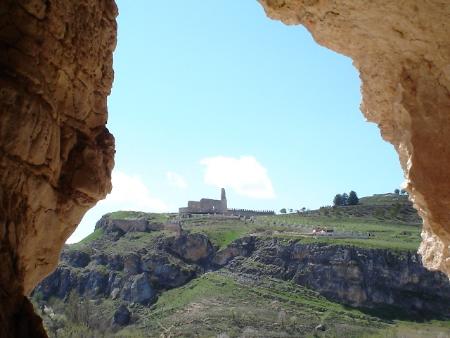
(223, 199)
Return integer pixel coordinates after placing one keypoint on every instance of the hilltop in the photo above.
(152, 275)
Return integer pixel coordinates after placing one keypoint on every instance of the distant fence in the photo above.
(249, 213)
(343, 234)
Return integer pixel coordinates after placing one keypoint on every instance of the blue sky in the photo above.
(214, 93)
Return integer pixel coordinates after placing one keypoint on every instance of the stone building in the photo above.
(210, 206)
(207, 206)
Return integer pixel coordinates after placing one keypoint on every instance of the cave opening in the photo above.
(57, 154)
(241, 102)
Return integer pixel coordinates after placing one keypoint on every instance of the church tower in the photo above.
(223, 199)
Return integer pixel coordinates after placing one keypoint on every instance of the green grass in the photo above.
(134, 241)
(221, 302)
(384, 235)
(366, 243)
(221, 232)
(84, 243)
(383, 199)
(239, 305)
(98, 233)
(406, 329)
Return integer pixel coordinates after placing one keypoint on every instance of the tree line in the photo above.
(346, 199)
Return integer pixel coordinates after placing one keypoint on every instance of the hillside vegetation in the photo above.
(268, 276)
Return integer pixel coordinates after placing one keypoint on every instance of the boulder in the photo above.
(138, 289)
(122, 316)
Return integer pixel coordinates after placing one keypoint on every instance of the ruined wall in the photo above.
(194, 206)
(402, 51)
(210, 205)
(249, 212)
(56, 154)
(205, 205)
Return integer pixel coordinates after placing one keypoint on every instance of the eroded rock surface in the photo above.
(56, 153)
(359, 277)
(380, 279)
(402, 51)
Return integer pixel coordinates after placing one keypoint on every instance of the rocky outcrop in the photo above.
(402, 51)
(242, 247)
(137, 289)
(122, 316)
(372, 278)
(56, 153)
(131, 276)
(194, 248)
(368, 278)
(122, 226)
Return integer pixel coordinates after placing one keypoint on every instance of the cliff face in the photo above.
(56, 154)
(368, 278)
(133, 276)
(402, 51)
(371, 278)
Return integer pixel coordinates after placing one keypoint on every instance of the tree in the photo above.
(291, 210)
(404, 192)
(397, 191)
(303, 209)
(344, 198)
(283, 211)
(337, 201)
(353, 198)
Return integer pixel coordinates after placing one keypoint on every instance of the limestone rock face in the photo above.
(241, 247)
(361, 277)
(355, 276)
(402, 51)
(192, 247)
(56, 153)
(141, 290)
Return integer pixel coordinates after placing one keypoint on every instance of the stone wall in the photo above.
(205, 205)
(211, 206)
(249, 213)
(194, 206)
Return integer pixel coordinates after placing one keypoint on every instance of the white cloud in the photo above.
(129, 193)
(245, 175)
(176, 180)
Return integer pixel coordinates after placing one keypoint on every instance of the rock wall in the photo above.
(370, 278)
(402, 51)
(360, 277)
(56, 153)
(122, 226)
(94, 272)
